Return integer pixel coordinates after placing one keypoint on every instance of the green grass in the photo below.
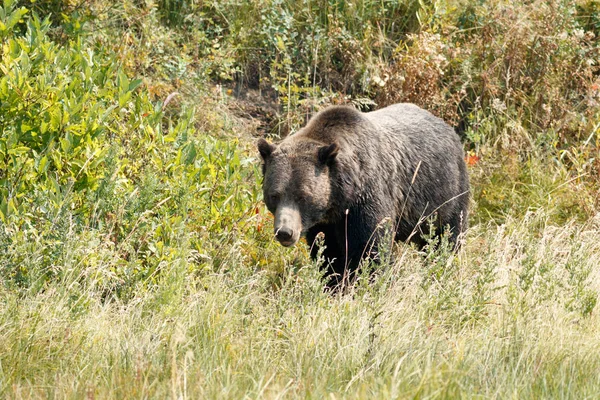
(508, 316)
(136, 255)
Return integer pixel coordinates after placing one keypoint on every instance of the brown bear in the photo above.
(346, 174)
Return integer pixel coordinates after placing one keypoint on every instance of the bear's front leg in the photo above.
(359, 236)
(333, 256)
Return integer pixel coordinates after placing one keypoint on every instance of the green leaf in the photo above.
(55, 118)
(14, 48)
(123, 82)
(18, 150)
(8, 4)
(4, 86)
(15, 17)
(190, 154)
(280, 44)
(135, 84)
(124, 98)
(66, 144)
(3, 210)
(43, 165)
(107, 113)
(25, 128)
(56, 159)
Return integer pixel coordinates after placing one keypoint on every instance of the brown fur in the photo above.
(346, 173)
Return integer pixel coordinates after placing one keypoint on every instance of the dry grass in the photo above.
(160, 278)
(512, 314)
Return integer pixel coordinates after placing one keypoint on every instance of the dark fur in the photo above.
(370, 161)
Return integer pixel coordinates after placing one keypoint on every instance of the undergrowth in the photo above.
(136, 255)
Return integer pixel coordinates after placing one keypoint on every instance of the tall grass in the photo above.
(512, 314)
(136, 256)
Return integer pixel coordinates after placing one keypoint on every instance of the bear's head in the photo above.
(297, 184)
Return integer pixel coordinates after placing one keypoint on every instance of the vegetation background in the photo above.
(136, 255)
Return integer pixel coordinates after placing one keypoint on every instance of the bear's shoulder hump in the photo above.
(337, 116)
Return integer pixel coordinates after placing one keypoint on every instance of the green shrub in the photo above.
(136, 256)
(85, 155)
(55, 104)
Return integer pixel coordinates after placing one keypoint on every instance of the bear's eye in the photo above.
(304, 197)
(273, 198)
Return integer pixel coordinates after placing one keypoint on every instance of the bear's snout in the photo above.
(284, 235)
(288, 225)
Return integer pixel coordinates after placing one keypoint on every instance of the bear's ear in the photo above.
(327, 154)
(265, 148)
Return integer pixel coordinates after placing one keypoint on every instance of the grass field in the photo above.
(136, 255)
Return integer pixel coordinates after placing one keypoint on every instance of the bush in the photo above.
(86, 156)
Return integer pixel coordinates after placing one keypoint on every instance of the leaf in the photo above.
(43, 165)
(3, 210)
(55, 185)
(134, 84)
(123, 82)
(124, 98)
(25, 128)
(190, 154)
(18, 150)
(65, 144)
(107, 113)
(15, 17)
(4, 86)
(8, 4)
(280, 44)
(56, 159)
(55, 118)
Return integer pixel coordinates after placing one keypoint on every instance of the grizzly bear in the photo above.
(348, 174)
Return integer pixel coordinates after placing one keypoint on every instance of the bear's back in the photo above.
(407, 119)
(397, 120)
(334, 123)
